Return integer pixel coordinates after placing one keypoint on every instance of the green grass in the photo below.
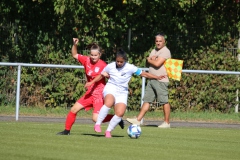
(157, 115)
(28, 140)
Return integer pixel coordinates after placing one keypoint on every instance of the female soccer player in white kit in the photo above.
(116, 90)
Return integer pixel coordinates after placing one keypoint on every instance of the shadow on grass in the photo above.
(149, 125)
(154, 125)
(99, 135)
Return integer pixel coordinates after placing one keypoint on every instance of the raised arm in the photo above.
(74, 48)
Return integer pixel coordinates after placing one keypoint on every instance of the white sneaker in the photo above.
(134, 121)
(164, 125)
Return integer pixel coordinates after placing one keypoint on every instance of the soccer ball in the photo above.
(134, 131)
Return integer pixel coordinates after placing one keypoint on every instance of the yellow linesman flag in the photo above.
(174, 68)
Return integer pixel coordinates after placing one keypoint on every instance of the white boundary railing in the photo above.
(19, 65)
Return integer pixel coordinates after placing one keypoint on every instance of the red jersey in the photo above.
(92, 70)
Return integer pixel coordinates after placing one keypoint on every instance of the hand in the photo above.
(105, 74)
(87, 85)
(161, 77)
(153, 57)
(75, 41)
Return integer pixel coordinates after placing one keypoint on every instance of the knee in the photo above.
(76, 108)
(119, 113)
(167, 105)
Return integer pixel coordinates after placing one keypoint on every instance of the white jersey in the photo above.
(121, 76)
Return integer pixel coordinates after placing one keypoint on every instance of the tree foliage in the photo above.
(41, 31)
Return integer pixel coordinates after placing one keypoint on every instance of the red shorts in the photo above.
(94, 101)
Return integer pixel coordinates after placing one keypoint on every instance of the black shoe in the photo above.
(121, 124)
(65, 132)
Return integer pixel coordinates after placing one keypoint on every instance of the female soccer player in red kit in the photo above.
(93, 98)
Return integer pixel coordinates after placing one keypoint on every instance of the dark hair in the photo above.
(94, 46)
(122, 53)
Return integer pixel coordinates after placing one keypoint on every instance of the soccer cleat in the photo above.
(121, 124)
(108, 134)
(164, 125)
(65, 132)
(133, 121)
(97, 128)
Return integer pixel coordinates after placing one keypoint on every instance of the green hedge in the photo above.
(41, 31)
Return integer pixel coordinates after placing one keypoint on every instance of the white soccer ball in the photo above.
(134, 131)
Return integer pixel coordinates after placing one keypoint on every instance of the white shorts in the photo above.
(120, 94)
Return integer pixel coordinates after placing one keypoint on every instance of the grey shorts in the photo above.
(156, 90)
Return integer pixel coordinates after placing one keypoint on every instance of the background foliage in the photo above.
(41, 31)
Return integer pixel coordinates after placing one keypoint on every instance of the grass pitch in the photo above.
(38, 141)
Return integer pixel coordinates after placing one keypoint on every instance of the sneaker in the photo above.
(164, 125)
(133, 121)
(121, 124)
(108, 134)
(97, 128)
(65, 132)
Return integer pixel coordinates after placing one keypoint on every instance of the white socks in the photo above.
(102, 114)
(113, 123)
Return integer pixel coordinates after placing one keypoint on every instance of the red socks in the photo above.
(71, 117)
(108, 118)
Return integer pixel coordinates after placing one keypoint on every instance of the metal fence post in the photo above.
(18, 91)
(238, 56)
(142, 93)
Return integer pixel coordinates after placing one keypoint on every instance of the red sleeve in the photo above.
(82, 59)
